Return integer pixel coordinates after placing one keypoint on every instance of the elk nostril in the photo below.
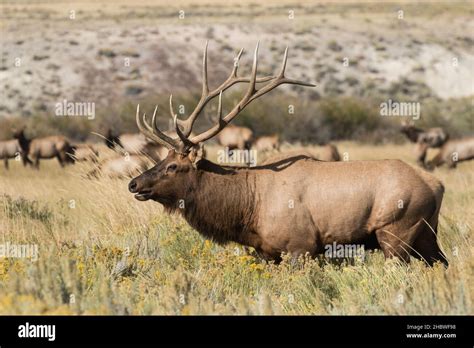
(132, 186)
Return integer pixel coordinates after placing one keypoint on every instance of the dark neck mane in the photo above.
(221, 203)
(24, 142)
(413, 133)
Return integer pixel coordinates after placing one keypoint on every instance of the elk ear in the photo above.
(196, 154)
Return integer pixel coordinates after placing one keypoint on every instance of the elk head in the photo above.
(177, 174)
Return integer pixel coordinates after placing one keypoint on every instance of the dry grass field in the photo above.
(103, 252)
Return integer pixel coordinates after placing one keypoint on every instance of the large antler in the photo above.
(207, 95)
(251, 94)
(183, 143)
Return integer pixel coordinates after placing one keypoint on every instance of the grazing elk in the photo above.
(12, 149)
(297, 206)
(55, 146)
(267, 143)
(431, 138)
(135, 144)
(453, 152)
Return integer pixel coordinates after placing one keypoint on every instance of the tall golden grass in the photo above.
(102, 252)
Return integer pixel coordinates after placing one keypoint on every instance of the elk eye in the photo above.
(172, 167)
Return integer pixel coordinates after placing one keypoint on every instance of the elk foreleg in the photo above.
(421, 150)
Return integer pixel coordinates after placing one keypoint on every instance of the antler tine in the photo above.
(280, 79)
(205, 85)
(219, 107)
(253, 76)
(172, 113)
(154, 133)
(236, 64)
(283, 65)
(153, 119)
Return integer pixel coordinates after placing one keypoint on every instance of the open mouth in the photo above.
(143, 195)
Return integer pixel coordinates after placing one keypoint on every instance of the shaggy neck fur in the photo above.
(220, 204)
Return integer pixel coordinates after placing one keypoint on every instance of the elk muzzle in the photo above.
(139, 187)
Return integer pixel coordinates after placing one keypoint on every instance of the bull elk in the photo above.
(453, 152)
(298, 206)
(55, 146)
(431, 138)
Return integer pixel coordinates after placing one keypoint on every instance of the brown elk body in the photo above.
(11, 149)
(298, 205)
(55, 146)
(453, 152)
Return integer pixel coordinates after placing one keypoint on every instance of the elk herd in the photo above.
(292, 202)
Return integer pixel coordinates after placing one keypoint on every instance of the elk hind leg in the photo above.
(396, 240)
(427, 248)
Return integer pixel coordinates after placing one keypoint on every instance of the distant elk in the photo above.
(11, 149)
(431, 138)
(56, 146)
(84, 153)
(299, 206)
(453, 152)
(327, 152)
(236, 137)
(135, 144)
(267, 143)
